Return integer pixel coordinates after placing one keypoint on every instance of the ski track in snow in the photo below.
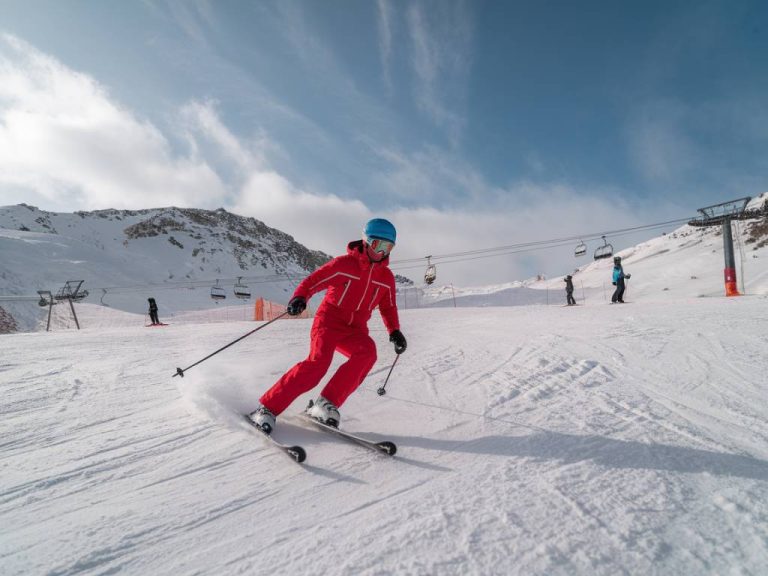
(531, 440)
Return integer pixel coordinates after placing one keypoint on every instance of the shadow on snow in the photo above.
(608, 452)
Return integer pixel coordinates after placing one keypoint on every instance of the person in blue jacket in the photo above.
(618, 281)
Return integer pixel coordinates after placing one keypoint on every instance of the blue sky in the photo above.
(469, 124)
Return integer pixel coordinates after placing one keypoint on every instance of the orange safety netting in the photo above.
(266, 310)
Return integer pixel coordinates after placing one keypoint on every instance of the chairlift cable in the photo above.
(512, 249)
(593, 236)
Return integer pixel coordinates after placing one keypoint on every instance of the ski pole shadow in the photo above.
(420, 464)
(330, 474)
(603, 451)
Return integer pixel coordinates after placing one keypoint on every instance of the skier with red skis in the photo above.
(355, 283)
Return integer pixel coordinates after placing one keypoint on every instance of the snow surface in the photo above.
(532, 440)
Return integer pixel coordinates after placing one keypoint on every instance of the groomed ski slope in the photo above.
(532, 440)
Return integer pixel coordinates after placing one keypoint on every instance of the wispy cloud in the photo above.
(699, 147)
(385, 13)
(659, 144)
(441, 61)
(192, 16)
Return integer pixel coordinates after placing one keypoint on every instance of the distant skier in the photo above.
(153, 312)
(356, 283)
(618, 281)
(569, 290)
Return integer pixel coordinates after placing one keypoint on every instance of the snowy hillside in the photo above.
(126, 256)
(594, 440)
(687, 263)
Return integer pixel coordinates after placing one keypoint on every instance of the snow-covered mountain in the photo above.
(125, 256)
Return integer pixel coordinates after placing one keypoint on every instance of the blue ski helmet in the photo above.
(380, 228)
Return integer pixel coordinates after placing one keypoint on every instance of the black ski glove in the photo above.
(296, 306)
(614, 283)
(397, 338)
(628, 276)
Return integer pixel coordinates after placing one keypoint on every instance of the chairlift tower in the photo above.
(721, 215)
(71, 292)
(46, 299)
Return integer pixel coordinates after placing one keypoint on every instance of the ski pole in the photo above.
(381, 391)
(180, 372)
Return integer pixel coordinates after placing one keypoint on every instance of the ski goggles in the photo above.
(380, 245)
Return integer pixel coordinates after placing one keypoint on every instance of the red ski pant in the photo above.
(327, 338)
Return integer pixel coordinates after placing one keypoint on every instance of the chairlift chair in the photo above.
(431, 273)
(45, 298)
(604, 251)
(581, 249)
(241, 290)
(71, 290)
(217, 292)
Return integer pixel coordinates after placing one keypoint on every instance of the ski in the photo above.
(385, 447)
(296, 452)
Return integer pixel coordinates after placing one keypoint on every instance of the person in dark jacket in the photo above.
(356, 284)
(618, 281)
(153, 312)
(569, 290)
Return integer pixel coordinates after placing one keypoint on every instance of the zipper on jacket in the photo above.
(346, 287)
(365, 291)
(374, 298)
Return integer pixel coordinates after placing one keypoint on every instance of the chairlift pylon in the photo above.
(581, 249)
(604, 251)
(431, 273)
(241, 290)
(217, 292)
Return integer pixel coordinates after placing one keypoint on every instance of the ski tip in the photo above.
(388, 447)
(298, 453)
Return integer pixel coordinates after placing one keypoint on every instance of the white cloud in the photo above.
(63, 139)
(322, 222)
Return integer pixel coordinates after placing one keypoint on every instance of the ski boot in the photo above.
(324, 412)
(264, 419)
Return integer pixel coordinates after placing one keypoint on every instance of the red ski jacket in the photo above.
(355, 286)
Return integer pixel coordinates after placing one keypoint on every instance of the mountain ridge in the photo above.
(124, 253)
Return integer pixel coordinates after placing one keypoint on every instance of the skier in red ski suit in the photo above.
(355, 285)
